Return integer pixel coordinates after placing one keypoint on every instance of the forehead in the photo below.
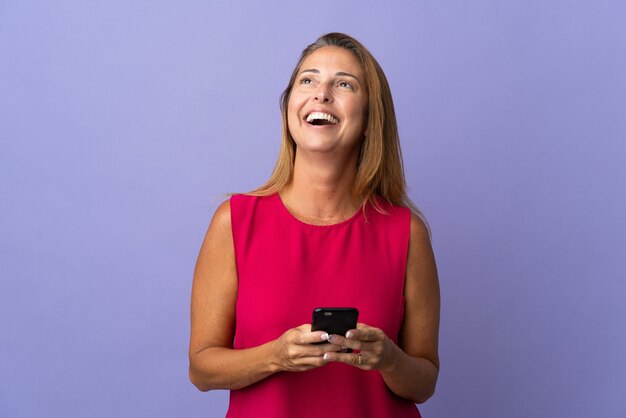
(333, 59)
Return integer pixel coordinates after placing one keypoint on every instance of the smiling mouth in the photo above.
(319, 118)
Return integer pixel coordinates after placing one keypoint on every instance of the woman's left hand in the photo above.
(374, 350)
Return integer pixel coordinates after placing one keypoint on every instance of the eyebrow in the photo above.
(340, 73)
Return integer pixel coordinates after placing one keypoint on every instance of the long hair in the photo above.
(380, 173)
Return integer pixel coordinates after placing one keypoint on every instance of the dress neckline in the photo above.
(290, 215)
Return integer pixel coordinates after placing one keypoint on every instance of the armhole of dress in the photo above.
(407, 237)
(234, 206)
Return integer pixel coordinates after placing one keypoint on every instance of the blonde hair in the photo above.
(380, 173)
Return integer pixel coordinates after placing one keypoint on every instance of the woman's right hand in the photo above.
(295, 351)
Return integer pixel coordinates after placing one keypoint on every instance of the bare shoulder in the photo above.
(420, 233)
(421, 260)
(217, 246)
(221, 218)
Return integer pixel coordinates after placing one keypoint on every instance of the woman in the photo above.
(332, 227)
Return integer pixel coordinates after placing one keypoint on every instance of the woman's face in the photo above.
(328, 102)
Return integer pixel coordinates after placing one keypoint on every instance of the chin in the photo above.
(317, 147)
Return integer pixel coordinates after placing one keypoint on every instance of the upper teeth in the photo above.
(320, 115)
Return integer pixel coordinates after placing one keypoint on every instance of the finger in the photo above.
(354, 359)
(313, 337)
(307, 337)
(296, 352)
(308, 363)
(349, 343)
(328, 348)
(312, 350)
(365, 333)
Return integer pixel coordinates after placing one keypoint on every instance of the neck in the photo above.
(321, 189)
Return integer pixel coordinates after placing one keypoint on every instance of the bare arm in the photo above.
(213, 363)
(411, 369)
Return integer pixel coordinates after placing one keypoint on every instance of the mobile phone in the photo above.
(334, 320)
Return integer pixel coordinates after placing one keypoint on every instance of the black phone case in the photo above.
(334, 320)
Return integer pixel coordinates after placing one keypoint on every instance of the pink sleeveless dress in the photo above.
(287, 268)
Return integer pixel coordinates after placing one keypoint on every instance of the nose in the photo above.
(323, 94)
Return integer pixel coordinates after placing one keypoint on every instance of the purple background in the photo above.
(123, 123)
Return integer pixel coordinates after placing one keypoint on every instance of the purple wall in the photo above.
(122, 124)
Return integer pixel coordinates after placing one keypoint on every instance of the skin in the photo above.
(319, 193)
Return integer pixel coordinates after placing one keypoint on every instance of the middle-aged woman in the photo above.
(334, 227)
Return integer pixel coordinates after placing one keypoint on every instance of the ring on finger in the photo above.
(359, 359)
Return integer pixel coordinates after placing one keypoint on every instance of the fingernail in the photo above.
(349, 334)
(326, 356)
(325, 336)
